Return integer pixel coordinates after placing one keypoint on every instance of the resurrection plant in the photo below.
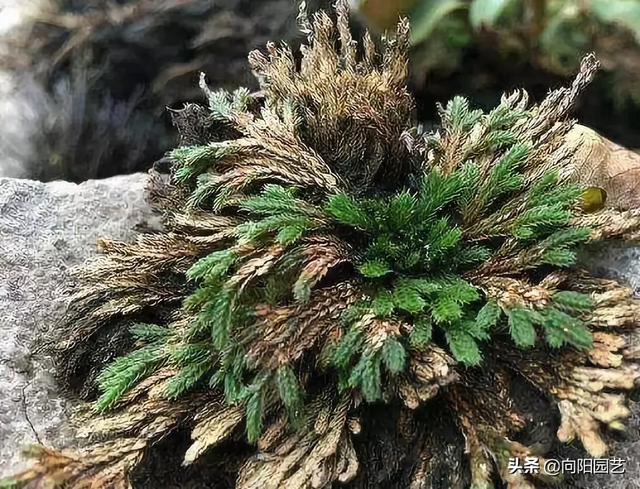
(333, 286)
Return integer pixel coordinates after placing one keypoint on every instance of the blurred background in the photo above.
(85, 84)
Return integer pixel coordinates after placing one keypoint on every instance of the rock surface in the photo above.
(44, 230)
(47, 228)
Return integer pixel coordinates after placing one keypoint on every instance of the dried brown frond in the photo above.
(510, 291)
(314, 458)
(610, 223)
(365, 104)
(213, 424)
(284, 334)
(322, 253)
(103, 467)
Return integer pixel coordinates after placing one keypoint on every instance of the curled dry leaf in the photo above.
(600, 163)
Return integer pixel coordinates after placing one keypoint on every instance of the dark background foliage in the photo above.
(102, 75)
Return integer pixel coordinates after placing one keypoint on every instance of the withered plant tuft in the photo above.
(335, 286)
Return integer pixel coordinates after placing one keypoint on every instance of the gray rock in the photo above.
(44, 230)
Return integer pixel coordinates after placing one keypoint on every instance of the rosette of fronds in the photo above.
(335, 287)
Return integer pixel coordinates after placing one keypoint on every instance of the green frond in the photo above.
(471, 255)
(125, 372)
(293, 230)
(223, 104)
(566, 238)
(500, 139)
(289, 227)
(347, 347)
(186, 354)
(437, 191)
(459, 290)
(458, 115)
(374, 269)
(407, 297)
(540, 220)
(289, 391)
(348, 211)
(187, 378)
(503, 116)
(401, 210)
(446, 310)
(275, 200)
(149, 332)
(394, 355)
(366, 376)
(217, 317)
(254, 415)
(384, 303)
(562, 328)
(487, 317)
(572, 301)
(521, 325)
(212, 266)
(560, 258)
(193, 161)
(421, 333)
(464, 348)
